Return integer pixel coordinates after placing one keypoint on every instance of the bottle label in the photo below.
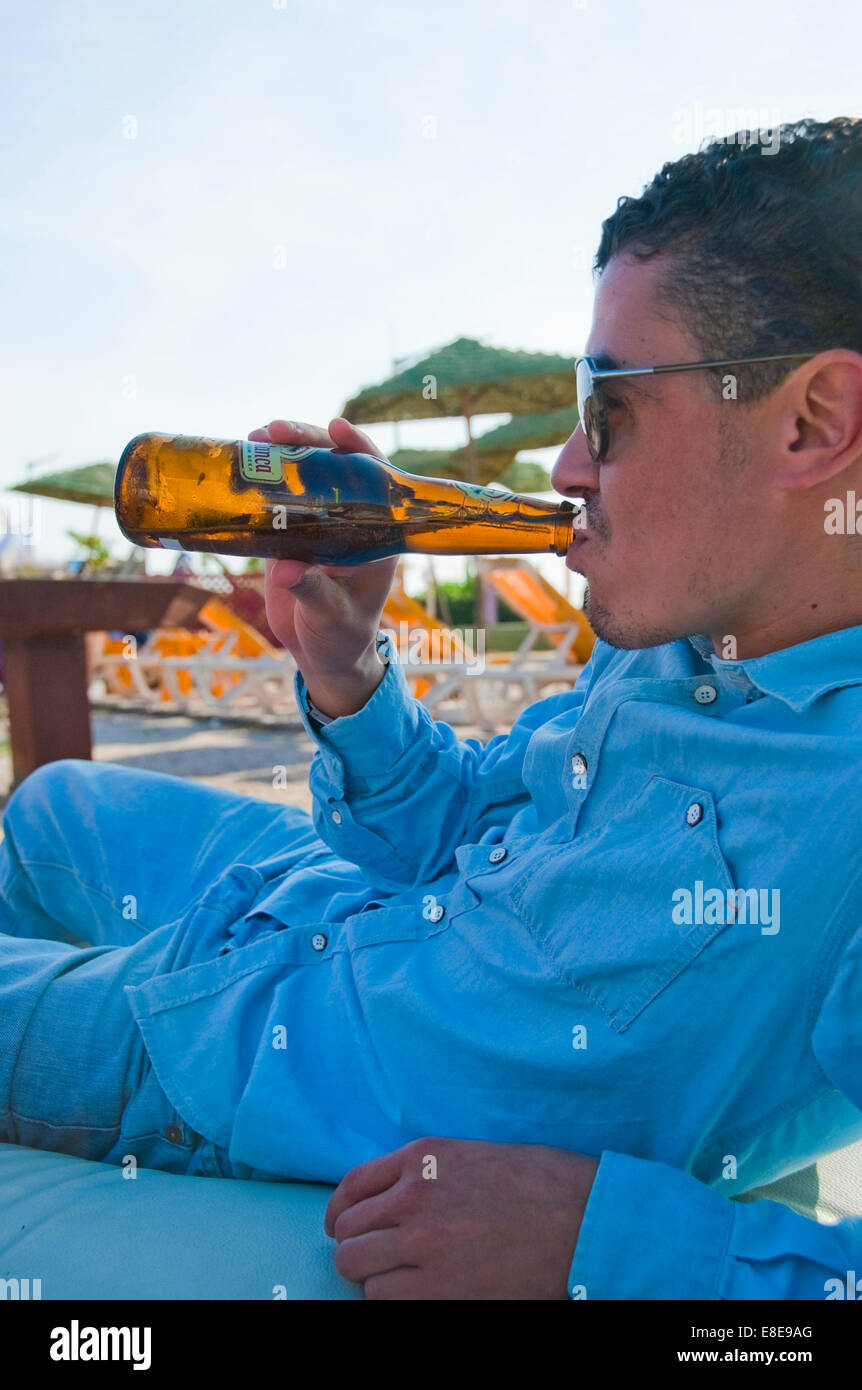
(478, 490)
(264, 463)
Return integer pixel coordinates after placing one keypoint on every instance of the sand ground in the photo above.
(270, 762)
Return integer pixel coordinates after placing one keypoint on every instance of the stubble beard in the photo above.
(631, 632)
(625, 634)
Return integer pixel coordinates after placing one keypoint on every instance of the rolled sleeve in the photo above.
(652, 1232)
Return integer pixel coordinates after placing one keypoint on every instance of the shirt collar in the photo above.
(797, 675)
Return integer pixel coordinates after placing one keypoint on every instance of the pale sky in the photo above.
(215, 212)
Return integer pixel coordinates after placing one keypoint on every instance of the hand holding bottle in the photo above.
(327, 616)
(331, 516)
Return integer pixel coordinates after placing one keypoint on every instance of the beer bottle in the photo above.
(324, 506)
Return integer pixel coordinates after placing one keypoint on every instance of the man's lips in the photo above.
(576, 549)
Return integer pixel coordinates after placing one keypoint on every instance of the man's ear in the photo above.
(821, 424)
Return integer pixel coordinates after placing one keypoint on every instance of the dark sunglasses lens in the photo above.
(590, 411)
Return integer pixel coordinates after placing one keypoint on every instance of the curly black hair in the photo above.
(766, 244)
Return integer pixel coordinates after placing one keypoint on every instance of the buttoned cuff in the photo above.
(650, 1232)
(371, 740)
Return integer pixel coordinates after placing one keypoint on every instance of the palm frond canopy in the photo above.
(467, 377)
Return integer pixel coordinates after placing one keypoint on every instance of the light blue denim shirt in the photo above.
(628, 928)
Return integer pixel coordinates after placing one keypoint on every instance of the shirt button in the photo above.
(694, 814)
(336, 816)
(436, 912)
(579, 764)
(318, 941)
(498, 855)
(705, 694)
(174, 1134)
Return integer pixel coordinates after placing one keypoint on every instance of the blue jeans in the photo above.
(109, 876)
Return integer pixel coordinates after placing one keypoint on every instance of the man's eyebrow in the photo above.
(606, 361)
(636, 384)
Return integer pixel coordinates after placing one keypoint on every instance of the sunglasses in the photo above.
(593, 409)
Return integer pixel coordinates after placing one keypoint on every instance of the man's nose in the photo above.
(574, 470)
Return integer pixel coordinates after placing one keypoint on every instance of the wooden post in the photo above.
(46, 686)
(42, 627)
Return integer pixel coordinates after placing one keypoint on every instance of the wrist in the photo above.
(346, 694)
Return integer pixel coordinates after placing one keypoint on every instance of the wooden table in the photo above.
(42, 627)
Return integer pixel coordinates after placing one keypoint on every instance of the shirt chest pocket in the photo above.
(620, 912)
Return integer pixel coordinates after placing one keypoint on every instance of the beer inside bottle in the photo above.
(323, 506)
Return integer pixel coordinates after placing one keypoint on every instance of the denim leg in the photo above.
(103, 854)
(75, 1076)
(71, 1055)
(151, 870)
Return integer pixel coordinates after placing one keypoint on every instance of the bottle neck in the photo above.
(564, 530)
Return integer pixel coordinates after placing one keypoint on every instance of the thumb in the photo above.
(288, 574)
(322, 598)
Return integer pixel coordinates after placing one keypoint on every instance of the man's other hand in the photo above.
(460, 1219)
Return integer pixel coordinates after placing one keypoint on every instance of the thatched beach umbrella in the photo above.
(92, 483)
(469, 378)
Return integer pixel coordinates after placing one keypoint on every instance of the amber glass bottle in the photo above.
(238, 497)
